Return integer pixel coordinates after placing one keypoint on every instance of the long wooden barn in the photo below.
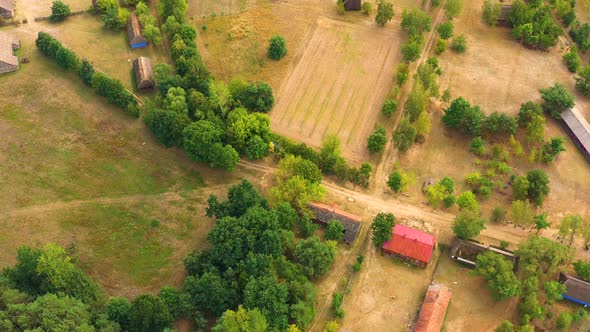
(325, 213)
(142, 67)
(8, 44)
(136, 40)
(578, 129)
(577, 290)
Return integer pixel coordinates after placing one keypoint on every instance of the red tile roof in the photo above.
(411, 243)
(434, 307)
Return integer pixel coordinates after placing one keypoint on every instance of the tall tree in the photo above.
(499, 273)
(242, 320)
(384, 12)
(569, 227)
(315, 256)
(468, 224)
(149, 314)
(382, 227)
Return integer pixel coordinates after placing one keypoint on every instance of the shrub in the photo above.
(404, 136)
(403, 73)
(412, 48)
(441, 46)
(86, 72)
(580, 35)
(459, 44)
(477, 146)
(115, 93)
(583, 81)
(448, 201)
(367, 8)
(277, 47)
(491, 11)
(498, 214)
(564, 320)
(445, 30)
(59, 11)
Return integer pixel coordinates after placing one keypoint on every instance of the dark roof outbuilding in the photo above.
(136, 40)
(142, 67)
(325, 213)
(7, 8)
(577, 291)
(8, 61)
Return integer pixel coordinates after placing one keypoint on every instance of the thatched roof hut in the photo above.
(325, 213)
(142, 67)
(577, 291)
(136, 40)
(8, 44)
(434, 308)
(466, 252)
(7, 8)
(578, 129)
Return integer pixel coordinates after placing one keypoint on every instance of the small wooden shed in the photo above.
(350, 5)
(136, 40)
(325, 213)
(142, 67)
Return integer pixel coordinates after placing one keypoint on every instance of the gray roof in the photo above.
(466, 251)
(578, 290)
(325, 213)
(8, 43)
(7, 5)
(578, 126)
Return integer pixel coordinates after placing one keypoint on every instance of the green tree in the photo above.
(569, 227)
(329, 154)
(412, 48)
(175, 8)
(468, 201)
(556, 99)
(527, 111)
(255, 97)
(582, 269)
(277, 47)
(583, 80)
(390, 105)
(86, 72)
(445, 30)
(376, 141)
(541, 222)
(423, 125)
(270, 298)
(384, 12)
(459, 44)
(535, 130)
(538, 186)
(499, 274)
(520, 188)
(500, 124)
(564, 320)
(491, 12)
(210, 292)
(117, 310)
(551, 149)
(315, 257)
(441, 46)
(177, 303)
(468, 224)
(416, 103)
(334, 231)
(402, 75)
(382, 227)
(477, 146)
(257, 148)
(242, 320)
(453, 8)
(522, 213)
(148, 313)
(544, 254)
(505, 326)
(572, 60)
(404, 136)
(398, 181)
(167, 126)
(553, 290)
(59, 11)
(455, 113)
(415, 22)
(366, 8)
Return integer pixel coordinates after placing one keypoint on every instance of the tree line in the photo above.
(108, 87)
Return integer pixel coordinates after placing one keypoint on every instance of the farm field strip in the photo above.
(338, 85)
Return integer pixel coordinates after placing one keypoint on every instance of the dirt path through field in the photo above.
(390, 154)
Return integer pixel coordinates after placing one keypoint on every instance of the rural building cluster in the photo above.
(342, 165)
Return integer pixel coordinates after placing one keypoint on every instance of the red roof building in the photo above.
(434, 308)
(410, 244)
